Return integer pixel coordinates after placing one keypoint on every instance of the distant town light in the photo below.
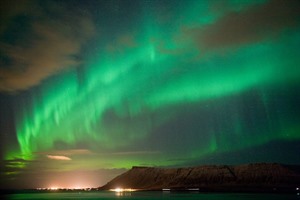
(122, 190)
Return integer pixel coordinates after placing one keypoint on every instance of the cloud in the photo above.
(12, 167)
(43, 45)
(250, 25)
(85, 152)
(134, 153)
(53, 157)
(16, 163)
(68, 152)
(11, 8)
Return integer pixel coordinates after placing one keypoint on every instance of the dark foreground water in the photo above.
(148, 195)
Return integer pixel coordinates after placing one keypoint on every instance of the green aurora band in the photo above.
(125, 94)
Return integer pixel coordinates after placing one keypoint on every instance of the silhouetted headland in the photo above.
(259, 177)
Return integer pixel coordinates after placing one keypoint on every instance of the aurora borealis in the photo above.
(90, 88)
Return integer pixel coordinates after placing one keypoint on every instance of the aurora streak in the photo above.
(149, 92)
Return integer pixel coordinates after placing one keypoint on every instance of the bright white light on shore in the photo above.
(122, 190)
(119, 190)
(53, 188)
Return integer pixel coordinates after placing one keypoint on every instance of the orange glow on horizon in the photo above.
(65, 188)
(70, 185)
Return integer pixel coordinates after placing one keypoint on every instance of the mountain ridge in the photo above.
(247, 177)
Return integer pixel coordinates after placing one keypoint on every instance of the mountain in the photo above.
(259, 177)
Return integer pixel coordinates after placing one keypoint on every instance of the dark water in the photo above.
(148, 195)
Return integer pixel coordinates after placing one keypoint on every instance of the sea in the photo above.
(149, 195)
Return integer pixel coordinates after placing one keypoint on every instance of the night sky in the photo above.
(89, 89)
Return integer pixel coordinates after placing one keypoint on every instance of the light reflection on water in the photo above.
(148, 195)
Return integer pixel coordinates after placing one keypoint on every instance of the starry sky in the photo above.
(89, 89)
